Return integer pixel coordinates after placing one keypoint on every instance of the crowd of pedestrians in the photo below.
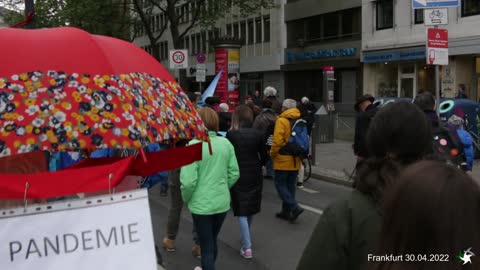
(407, 199)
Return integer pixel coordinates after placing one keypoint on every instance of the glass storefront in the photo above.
(400, 79)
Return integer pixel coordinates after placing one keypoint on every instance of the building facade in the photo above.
(263, 35)
(394, 50)
(319, 35)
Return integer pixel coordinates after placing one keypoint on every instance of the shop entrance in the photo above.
(407, 80)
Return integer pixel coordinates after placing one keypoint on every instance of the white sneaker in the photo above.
(246, 253)
(197, 268)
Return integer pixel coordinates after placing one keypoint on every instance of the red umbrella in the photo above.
(65, 89)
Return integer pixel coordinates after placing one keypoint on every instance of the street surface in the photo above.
(277, 244)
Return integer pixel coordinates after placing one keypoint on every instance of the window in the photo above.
(204, 42)
(243, 31)
(229, 30)
(185, 12)
(187, 43)
(470, 8)
(266, 29)
(350, 22)
(162, 20)
(314, 26)
(199, 44)
(194, 45)
(236, 32)
(250, 32)
(258, 30)
(331, 25)
(384, 14)
(418, 16)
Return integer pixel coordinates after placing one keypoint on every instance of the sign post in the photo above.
(437, 39)
(437, 54)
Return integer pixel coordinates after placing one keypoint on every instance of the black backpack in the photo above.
(447, 147)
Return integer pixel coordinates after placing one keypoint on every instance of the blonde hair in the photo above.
(209, 118)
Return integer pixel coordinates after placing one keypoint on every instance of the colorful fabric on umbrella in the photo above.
(71, 111)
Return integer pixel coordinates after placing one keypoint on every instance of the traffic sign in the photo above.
(178, 59)
(201, 72)
(201, 58)
(437, 46)
(436, 16)
(418, 4)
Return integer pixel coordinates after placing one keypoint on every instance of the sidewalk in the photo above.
(335, 163)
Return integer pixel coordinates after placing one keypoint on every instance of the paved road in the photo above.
(277, 245)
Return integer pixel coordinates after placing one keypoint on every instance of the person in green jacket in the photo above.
(349, 229)
(205, 187)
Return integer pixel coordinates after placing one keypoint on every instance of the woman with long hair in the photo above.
(431, 220)
(251, 153)
(348, 230)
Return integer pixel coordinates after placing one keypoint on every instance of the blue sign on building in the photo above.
(294, 56)
(434, 3)
(394, 56)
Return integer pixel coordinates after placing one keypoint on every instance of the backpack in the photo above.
(298, 144)
(447, 147)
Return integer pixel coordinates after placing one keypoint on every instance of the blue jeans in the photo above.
(245, 224)
(285, 184)
(208, 227)
(269, 167)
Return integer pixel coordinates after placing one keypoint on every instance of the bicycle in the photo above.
(307, 168)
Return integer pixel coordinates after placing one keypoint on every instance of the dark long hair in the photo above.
(433, 209)
(242, 117)
(398, 135)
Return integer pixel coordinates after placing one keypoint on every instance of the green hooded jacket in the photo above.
(206, 184)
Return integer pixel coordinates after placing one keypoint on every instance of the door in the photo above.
(348, 87)
(407, 87)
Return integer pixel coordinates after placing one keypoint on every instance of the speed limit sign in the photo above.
(178, 59)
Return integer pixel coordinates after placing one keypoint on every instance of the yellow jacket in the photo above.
(280, 139)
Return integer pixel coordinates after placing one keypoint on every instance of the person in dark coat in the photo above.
(349, 229)
(270, 93)
(365, 111)
(225, 117)
(251, 153)
(265, 123)
(308, 110)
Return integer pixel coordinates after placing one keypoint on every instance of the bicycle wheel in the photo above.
(307, 169)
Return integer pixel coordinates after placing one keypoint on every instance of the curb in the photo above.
(333, 180)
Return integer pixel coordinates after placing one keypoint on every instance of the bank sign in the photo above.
(108, 233)
(302, 56)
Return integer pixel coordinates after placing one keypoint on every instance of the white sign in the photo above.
(436, 16)
(201, 73)
(178, 59)
(418, 4)
(108, 233)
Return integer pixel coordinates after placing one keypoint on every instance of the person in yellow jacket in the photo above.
(286, 166)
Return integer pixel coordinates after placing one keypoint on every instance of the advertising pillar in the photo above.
(227, 58)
